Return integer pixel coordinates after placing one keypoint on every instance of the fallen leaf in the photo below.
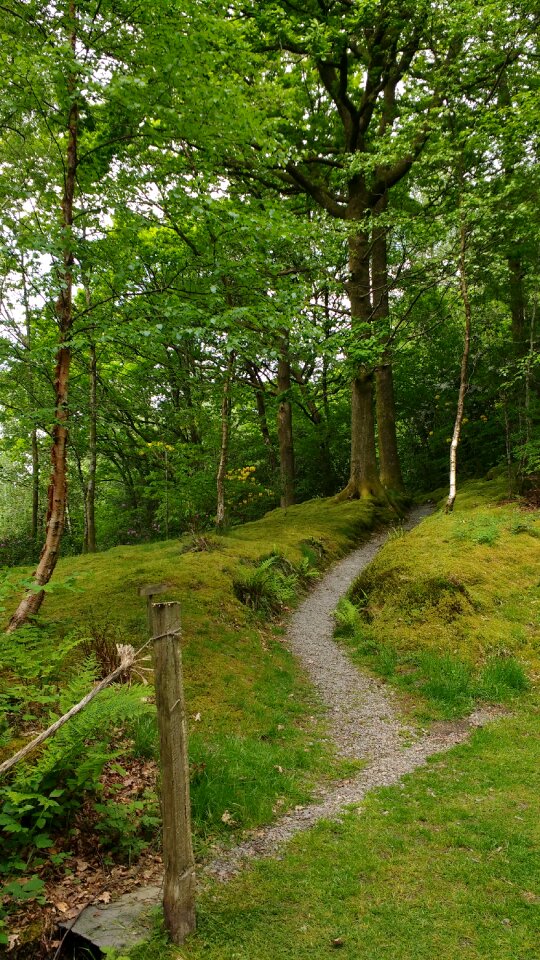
(104, 897)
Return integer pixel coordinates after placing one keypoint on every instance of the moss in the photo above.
(463, 586)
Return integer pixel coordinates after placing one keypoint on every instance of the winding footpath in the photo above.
(363, 723)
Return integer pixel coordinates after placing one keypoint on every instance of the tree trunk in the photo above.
(261, 410)
(284, 424)
(389, 465)
(225, 434)
(32, 399)
(57, 493)
(364, 475)
(90, 498)
(463, 380)
(35, 484)
(517, 306)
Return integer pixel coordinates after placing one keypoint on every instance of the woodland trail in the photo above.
(363, 722)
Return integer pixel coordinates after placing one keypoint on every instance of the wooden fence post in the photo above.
(149, 590)
(179, 885)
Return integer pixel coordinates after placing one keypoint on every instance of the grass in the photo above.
(450, 614)
(446, 864)
(255, 722)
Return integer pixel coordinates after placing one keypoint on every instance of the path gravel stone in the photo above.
(364, 724)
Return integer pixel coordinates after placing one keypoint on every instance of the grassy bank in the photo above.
(255, 724)
(450, 614)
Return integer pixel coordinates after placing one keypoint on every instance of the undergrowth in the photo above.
(273, 581)
(444, 864)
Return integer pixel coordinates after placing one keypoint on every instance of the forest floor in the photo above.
(443, 623)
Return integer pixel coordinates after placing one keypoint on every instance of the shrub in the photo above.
(128, 828)
(98, 639)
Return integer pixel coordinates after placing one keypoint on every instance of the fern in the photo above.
(266, 587)
(347, 618)
(45, 791)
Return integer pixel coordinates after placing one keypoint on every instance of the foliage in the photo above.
(254, 746)
(347, 618)
(274, 582)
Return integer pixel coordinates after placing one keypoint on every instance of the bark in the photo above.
(364, 475)
(178, 863)
(90, 498)
(517, 306)
(35, 484)
(285, 425)
(389, 465)
(57, 492)
(464, 373)
(261, 410)
(226, 407)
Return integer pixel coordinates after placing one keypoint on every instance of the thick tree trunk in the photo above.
(285, 425)
(463, 379)
(90, 498)
(226, 407)
(57, 493)
(364, 475)
(364, 479)
(389, 465)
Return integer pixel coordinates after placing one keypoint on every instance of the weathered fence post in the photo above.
(149, 590)
(179, 885)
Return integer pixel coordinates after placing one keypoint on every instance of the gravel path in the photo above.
(364, 723)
